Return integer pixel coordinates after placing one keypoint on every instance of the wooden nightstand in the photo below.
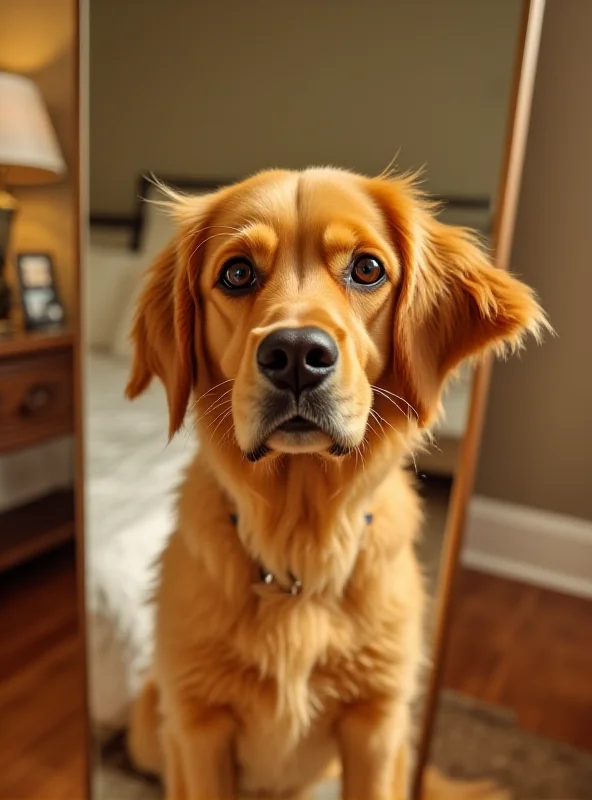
(36, 404)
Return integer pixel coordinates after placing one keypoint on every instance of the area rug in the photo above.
(472, 740)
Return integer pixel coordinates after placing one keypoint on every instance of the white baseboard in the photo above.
(538, 547)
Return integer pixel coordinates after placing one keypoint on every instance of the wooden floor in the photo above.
(42, 734)
(527, 649)
(514, 645)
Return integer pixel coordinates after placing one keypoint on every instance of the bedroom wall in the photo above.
(538, 436)
(222, 89)
(532, 516)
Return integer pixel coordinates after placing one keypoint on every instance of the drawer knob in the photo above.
(36, 398)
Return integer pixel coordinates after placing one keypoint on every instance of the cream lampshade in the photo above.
(29, 150)
(29, 154)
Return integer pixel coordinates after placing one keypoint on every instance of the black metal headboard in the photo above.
(135, 222)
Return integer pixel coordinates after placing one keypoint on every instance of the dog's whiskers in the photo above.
(360, 456)
(224, 411)
(209, 391)
(226, 415)
(394, 402)
(380, 418)
(218, 403)
(373, 430)
(389, 395)
(228, 436)
(375, 415)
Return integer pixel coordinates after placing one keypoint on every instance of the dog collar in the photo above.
(294, 588)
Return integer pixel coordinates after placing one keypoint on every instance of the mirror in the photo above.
(199, 96)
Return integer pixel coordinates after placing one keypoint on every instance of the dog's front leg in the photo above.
(369, 738)
(203, 749)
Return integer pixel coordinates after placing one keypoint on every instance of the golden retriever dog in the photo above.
(308, 320)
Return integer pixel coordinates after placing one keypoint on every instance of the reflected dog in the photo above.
(307, 322)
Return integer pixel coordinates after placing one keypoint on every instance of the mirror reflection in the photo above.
(194, 98)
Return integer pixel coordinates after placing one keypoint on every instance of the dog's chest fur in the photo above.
(285, 733)
(284, 666)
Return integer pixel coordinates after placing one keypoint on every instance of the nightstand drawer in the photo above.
(36, 398)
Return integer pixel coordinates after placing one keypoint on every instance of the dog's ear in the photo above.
(453, 303)
(164, 330)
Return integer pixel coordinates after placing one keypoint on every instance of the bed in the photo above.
(130, 500)
(132, 473)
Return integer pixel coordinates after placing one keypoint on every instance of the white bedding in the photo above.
(131, 480)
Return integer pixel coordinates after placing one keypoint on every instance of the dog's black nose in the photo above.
(297, 358)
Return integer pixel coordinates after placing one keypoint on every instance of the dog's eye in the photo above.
(367, 270)
(237, 275)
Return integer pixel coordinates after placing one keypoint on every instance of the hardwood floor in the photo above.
(512, 644)
(42, 732)
(527, 649)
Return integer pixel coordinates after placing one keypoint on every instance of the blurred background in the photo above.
(201, 94)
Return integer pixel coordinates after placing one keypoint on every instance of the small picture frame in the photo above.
(41, 304)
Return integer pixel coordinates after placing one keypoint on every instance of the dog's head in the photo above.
(308, 299)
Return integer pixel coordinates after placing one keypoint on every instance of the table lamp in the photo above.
(29, 155)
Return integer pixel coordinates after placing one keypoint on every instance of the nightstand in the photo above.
(36, 404)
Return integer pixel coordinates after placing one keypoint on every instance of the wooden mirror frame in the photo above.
(527, 52)
(80, 171)
(505, 216)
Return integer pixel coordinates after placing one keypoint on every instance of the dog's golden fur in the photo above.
(259, 690)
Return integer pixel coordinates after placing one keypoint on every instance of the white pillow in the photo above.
(107, 273)
(121, 345)
(159, 227)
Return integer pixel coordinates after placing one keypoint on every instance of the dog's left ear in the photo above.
(165, 325)
(453, 303)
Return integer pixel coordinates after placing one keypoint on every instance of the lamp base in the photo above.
(8, 205)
